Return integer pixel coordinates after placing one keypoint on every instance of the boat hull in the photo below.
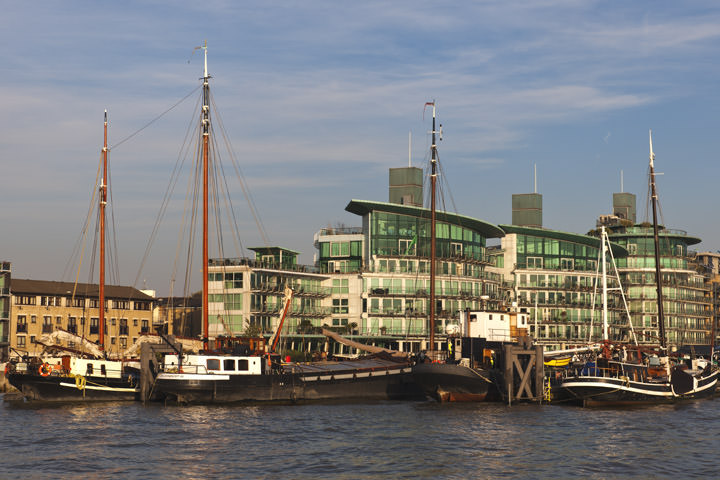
(452, 383)
(618, 391)
(54, 388)
(389, 383)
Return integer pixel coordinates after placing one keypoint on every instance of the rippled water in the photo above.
(413, 440)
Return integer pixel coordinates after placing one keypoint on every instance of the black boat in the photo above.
(218, 375)
(630, 375)
(609, 382)
(70, 378)
(82, 375)
(224, 378)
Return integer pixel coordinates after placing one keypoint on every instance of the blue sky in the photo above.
(318, 99)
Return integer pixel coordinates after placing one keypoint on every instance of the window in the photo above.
(229, 365)
(534, 262)
(50, 301)
(340, 305)
(58, 320)
(25, 300)
(78, 302)
(47, 324)
(135, 322)
(233, 280)
(213, 364)
(632, 248)
(21, 324)
(339, 249)
(72, 325)
(121, 304)
(21, 341)
(123, 328)
(456, 249)
(243, 365)
(141, 305)
(123, 342)
(567, 263)
(32, 339)
(94, 326)
(338, 266)
(144, 327)
(33, 319)
(406, 246)
(89, 369)
(94, 303)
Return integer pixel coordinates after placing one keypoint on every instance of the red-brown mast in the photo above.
(205, 146)
(103, 202)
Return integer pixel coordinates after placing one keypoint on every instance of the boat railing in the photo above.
(187, 368)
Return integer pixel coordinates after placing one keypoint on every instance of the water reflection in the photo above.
(376, 440)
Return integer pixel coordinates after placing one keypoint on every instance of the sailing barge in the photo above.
(631, 375)
(80, 375)
(252, 373)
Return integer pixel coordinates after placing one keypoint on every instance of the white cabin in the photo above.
(500, 326)
(220, 364)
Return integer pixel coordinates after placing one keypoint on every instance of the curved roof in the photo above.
(617, 250)
(363, 207)
(641, 230)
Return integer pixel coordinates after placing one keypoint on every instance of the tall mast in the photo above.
(604, 247)
(205, 146)
(103, 202)
(656, 237)
(433, 188)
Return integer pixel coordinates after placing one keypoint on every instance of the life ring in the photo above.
(45, 369)
(80, 382)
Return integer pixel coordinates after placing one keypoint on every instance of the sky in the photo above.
(319, 99)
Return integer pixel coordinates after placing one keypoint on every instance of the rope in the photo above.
(154, 119)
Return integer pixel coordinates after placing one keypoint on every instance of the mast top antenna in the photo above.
(203, 47)
(652, 155)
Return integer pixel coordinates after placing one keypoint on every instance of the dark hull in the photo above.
(613, 391)
(54, 388)
(452, 383)
(391, 384)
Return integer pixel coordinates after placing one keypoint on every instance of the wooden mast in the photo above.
(205, 146)
(103, 203)
(433, 189)
(656, 237)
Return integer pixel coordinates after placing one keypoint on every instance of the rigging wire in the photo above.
(172, 183)
(238, 171)
(154, 119)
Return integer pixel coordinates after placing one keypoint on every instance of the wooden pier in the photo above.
(523, 372)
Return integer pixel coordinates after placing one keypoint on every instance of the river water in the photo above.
(408, 440)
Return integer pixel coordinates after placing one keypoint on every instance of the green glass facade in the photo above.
(557, 281)
(687, 293)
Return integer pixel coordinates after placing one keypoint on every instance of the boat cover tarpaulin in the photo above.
(360, 346)
(372, 363)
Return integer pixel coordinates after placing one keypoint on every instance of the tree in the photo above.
(252, 329)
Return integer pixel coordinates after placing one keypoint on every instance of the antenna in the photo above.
(622, 187)
(652, 155)
(410, 148)
(203, 47)
(535, 179)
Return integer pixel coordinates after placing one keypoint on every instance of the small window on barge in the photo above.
(213, 364)
(229, 365)
(243, 365)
